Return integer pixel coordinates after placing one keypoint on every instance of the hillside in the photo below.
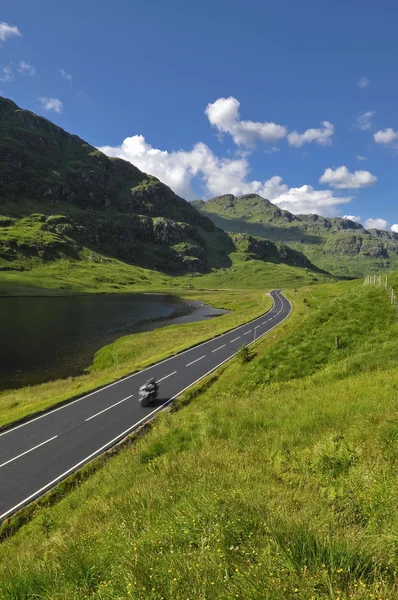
(64, 205)
(337, 245)
(277, 479)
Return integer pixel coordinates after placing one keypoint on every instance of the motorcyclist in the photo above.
(152, 387)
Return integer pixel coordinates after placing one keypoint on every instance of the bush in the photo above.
(244, 355)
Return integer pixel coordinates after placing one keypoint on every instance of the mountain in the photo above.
(337, 245)
(59, 196)
(63, 201)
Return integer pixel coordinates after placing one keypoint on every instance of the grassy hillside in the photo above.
(62, 198)
(278, 481)
(336, 245)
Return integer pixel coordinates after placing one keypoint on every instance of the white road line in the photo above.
(109, 407)
(264, 322)
(257, 326)
(194, 361)
(238, 338)
(219, 348)
(27, 452)
(169, 375)
(122, 435)
(247, 332)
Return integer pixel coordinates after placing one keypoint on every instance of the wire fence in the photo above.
(382, 281)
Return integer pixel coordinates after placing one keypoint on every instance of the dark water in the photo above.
(49, 338)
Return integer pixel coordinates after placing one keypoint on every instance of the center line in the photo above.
(27, 451)
(264, 322)
(109, 407)
(247, 332)
(238, 338)
(194, 361)
(257, 326)
(169, 375)
(219, 348)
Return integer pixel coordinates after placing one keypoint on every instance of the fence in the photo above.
(382, 280)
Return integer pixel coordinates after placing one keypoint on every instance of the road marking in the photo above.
(194, 361)
(122, 435)
(109, 407)
(257, 326)
(238, 338)
(27, 452)
(264, 322)
(169, 375)
(219, 348)
(247, 332)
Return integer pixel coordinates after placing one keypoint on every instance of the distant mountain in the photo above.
(337, 245)
(63, 199)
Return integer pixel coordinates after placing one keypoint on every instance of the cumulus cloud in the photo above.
(352, 218)
(220, 176)
(8, 31)
(7, 74)
(319, 136)
(386, 136)
(363, 82)
(394, 228)
(341, 178)
(66, 75)
(51, 104)
(224, 115)
(26, 68)
(361, 158)
(376, 224)
(364, 121)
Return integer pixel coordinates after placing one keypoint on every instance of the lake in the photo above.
(53, 337)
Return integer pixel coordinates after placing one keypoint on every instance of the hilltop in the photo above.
(340, 246)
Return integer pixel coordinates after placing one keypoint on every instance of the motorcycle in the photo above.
(146, 396)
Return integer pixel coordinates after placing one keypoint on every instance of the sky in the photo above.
(295, 101)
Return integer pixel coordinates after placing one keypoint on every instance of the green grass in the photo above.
(135, 352)
(278, 490)
(97, 274)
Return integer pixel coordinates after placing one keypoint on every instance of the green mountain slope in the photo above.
(337, 245)
(63, 203)
(59, 195)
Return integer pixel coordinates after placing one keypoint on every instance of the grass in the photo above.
(98, 274)
(276, 489)
(136, 351)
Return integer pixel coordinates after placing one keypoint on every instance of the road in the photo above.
(37, 454)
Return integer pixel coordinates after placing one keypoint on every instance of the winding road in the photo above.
(37, 454)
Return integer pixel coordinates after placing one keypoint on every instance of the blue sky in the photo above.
(215, 97)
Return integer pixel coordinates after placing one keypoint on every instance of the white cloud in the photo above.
(360, 158)
(7, 74)
(386, 136)
(363, 82)
(224, 115)
(51, 104)
(394, 228)
(364, 121)
(66, 75)
(376, 224)
(319, 136)
(341, 178)
(26, 68)
(352, 218)
(8, 31)
(220, 176)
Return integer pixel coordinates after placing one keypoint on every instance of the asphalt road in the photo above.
(37, 454)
